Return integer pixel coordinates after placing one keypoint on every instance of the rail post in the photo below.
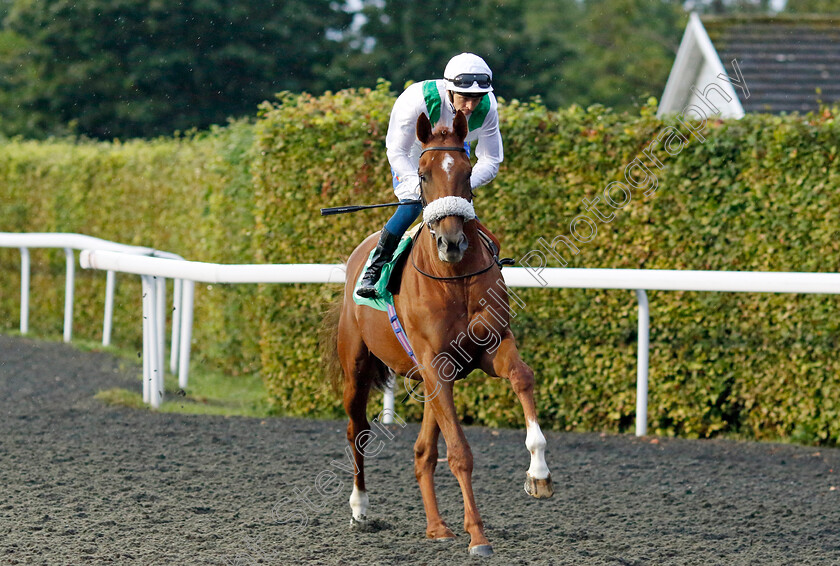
(186, 332)
(177, 308)
(160, 318)
(642, 363)
(24, 290)
(147, 372)
(107, 324)
(69, 285)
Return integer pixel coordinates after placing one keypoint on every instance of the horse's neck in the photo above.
(475, 258)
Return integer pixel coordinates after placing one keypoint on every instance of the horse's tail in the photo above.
(328, 337)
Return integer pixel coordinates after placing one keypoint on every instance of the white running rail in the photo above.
(153, 272)
(69, 243)
(638, 280)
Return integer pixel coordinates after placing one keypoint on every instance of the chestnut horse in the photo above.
(445, 303)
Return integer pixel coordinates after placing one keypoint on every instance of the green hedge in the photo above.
(190, 195)
(758, 194)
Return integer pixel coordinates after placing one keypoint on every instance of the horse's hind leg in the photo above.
(358, 365)
(505, 362)
(425, 461)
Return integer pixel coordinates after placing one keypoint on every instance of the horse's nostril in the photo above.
(451, 247)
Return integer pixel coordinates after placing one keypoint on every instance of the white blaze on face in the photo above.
(447, 164)
(535, 443)
(359, 503)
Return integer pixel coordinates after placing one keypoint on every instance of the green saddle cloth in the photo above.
(384, 296)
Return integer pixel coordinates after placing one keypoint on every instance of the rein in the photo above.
(452, 277)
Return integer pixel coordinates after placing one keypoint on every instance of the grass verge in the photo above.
(210, 392)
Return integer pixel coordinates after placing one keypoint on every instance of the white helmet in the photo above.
(468, 72)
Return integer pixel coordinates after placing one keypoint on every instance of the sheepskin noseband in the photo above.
(448, 206)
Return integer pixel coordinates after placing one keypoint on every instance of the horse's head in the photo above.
(445, 185)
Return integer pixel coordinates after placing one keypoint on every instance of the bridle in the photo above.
(432, 232)
(493, 262)
(443, 148)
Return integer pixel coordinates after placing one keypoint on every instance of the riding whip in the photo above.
(356, 207)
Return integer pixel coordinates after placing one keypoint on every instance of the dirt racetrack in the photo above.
(83, 483)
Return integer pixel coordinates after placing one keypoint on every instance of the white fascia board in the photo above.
(712, 58)
(682, 74)
(695, 51)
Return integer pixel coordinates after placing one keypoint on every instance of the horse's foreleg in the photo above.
(505, 362)
(425, 462)
(460, 461)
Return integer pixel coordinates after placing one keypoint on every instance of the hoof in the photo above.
(361, 524)
(481, 550)
(541, 489)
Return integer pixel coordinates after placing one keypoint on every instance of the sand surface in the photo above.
(83, 483)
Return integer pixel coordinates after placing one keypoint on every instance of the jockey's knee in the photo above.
(404, 216)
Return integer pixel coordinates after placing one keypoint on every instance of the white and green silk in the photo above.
(430, 98)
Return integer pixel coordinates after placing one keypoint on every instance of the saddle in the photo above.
(387, 276)
(391, 277)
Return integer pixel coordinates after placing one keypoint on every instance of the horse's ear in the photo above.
(460, 125)
(424, 128)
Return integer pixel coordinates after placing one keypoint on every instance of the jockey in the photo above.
(466, 86)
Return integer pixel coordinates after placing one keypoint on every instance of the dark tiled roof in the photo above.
(790, 63)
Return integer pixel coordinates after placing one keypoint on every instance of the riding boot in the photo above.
(381, 255)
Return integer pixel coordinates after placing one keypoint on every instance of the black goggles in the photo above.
(465, 80)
